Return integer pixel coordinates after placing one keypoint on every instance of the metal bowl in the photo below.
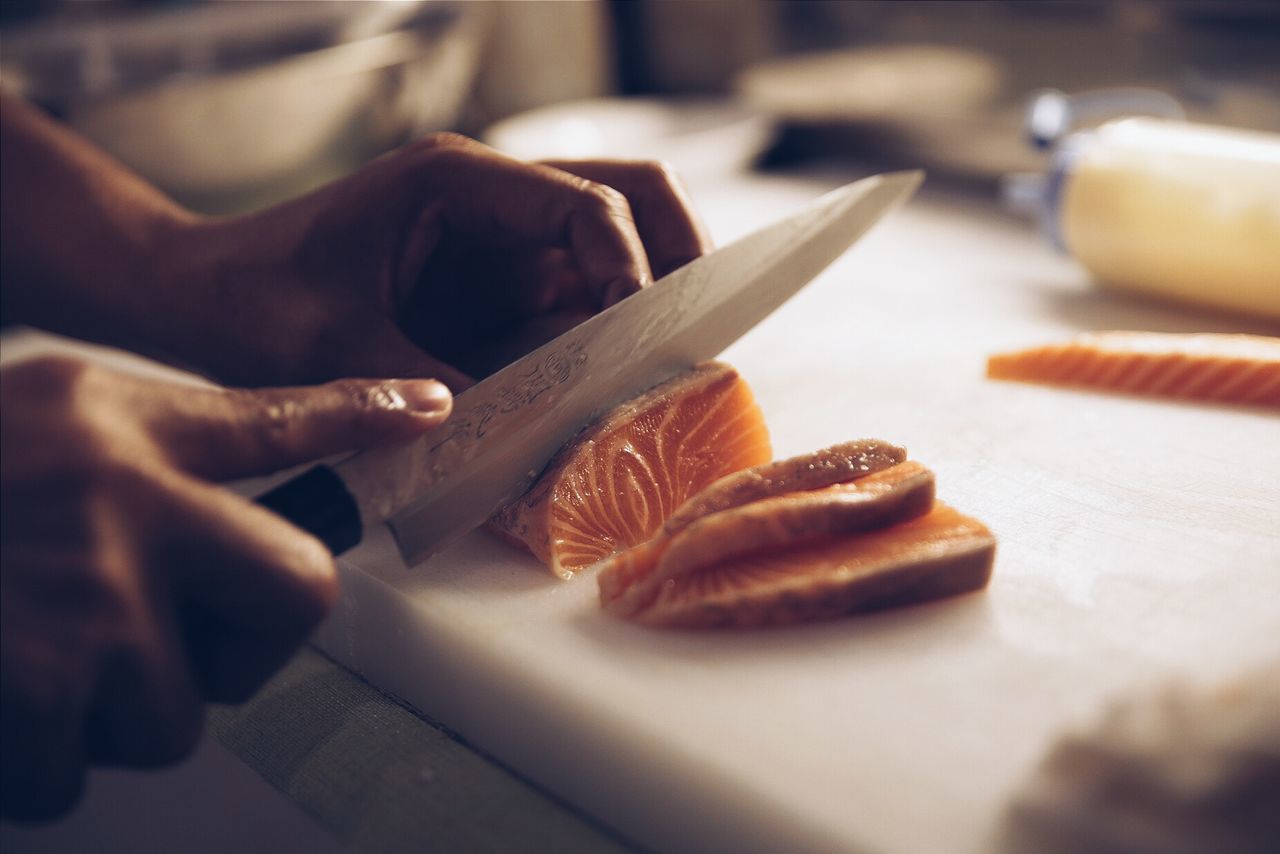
(231, 106)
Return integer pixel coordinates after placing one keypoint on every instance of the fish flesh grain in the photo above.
(617, 482)
(836, 464)
(631, 581)
(1240, 369)
(941, 553)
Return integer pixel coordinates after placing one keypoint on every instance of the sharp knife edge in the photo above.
(504, 429)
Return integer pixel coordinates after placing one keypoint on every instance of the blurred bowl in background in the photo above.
(229, 106)
(699, 138)
(890, 83)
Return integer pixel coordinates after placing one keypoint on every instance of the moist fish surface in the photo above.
(791, 517)
(617, 482)
(939, 554)
(1241, 369)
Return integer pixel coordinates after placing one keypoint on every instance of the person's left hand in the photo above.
(443, 259)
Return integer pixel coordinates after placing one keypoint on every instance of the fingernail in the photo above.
(426, 396)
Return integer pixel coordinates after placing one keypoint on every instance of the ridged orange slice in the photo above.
(615, 484)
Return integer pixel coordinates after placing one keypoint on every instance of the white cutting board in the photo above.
(1137, 540)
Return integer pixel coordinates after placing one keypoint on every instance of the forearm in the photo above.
(79, 234)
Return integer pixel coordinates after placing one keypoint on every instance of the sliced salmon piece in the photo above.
(1219, 368)
(939, 554)
(837, 464)
(616, 483)
(630, 581)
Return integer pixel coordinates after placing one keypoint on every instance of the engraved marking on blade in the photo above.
(554, 370)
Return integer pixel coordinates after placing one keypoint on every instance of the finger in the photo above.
(226, 434)
(489, 197)
(253, 592)
(145, 710)
(673, 234)
(42, 774)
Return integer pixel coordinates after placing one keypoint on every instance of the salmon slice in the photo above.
(814, 470)
(1219, 368)
(631, 580)
(616, 483)
(941, 553)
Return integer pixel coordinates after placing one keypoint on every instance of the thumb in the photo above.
(233, 433)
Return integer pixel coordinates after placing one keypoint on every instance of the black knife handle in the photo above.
(320, 503)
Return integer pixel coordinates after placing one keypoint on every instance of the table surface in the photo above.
(1138, 540)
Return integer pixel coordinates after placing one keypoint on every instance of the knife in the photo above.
(504, 429)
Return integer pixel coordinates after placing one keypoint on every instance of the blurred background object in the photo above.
(232, 104)
(945, 85)
(699, 137)
(1157, 205)
(1182, 768)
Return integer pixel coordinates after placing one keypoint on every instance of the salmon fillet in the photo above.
(836, 464)
(1219, 368)
(941, 553)
(615, 484)
(630, 581)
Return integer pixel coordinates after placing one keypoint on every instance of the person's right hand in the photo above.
(132, 588)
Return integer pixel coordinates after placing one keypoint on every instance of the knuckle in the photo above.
(604, 200)
(269, 421)
(362, 398)
(57, 370)
(659, 172)
(442, 139)
(55, 378)
(441, 148)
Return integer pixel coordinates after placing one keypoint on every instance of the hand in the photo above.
(431, 261)
(441, 259)
(132, 588)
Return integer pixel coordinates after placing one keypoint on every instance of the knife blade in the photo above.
(504, 429)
